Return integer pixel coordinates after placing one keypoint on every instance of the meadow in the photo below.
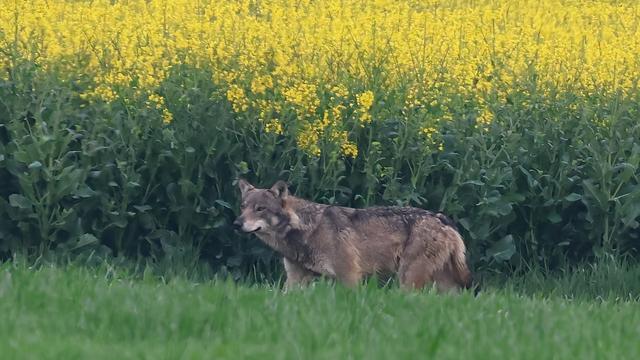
(123, 124)
(77, 313)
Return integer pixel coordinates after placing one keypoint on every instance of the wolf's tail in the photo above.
(459, 261)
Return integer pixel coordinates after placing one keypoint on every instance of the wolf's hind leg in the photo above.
(425, 255)
(349, 276)
(297, 275)
(421, 272)
(415, 274)
(445, 280)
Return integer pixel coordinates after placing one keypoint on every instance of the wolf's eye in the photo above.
(260, 208)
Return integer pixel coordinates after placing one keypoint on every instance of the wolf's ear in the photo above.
(244, 186)
(280, 189)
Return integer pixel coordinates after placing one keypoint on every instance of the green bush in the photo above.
(553, 180)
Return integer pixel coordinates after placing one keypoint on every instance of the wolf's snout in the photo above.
(237, 224)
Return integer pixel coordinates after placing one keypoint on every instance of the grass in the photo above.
(71, 312)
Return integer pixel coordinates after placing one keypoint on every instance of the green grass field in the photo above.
(73, 313)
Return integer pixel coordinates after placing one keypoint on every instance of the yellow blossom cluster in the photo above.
(237, 98)
(157, 102)
(274, 126)
(308, 139)
(365, 102)
(294, 62)
(303, 97)
(260, 84)
(431, 136)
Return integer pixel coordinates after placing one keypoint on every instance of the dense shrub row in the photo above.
(552, 181)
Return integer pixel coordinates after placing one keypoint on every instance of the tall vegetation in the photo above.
(124, 124)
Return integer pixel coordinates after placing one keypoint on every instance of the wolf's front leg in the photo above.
(297, 275)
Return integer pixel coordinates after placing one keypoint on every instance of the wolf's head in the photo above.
(262, 210)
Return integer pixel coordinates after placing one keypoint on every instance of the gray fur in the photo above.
(347, 244)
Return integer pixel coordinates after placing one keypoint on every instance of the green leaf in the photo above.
(142, 208)
(19, 201)
(85, 240)
(631, 213)
(243, 168)
(504, 208)
(84, 191)
(220, 222)
(35, 165)
(503, 249)
(473, 182)
(573, 197)
(531, 181)
(223, 203)
(465, 223)
(598, 195)
(626, 171)
(554, 217)
(514, 197)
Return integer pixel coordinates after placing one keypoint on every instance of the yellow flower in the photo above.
(311, 58)
(307, 140)
(412, 99)
(485, 118)
(237, 98)
(156, 101)
(260, 84)
(336, 113)
(349, 149)
(167, 117)
(365, 102)
(102, 92)
(433, 140)
(428, 131)
(340, 91)
(303, 97)
(274, 126)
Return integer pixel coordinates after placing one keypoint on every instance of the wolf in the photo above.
(421, 247)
